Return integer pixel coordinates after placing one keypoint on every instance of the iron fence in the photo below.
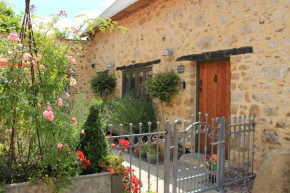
(207, 154)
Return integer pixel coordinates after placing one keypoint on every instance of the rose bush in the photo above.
(39, 134)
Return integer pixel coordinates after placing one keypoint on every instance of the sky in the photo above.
(92, 8)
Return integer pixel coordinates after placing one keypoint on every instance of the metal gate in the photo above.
(190, 168)
(214, 167)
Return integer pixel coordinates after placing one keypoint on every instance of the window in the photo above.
(133, 81)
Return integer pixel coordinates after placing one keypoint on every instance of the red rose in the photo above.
(81, 154)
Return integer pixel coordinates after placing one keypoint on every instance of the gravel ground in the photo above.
(245, 186)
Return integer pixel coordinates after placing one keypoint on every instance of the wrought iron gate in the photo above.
(212, 168)
(228, 159)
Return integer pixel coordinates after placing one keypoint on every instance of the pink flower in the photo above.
(35, 58)
(61, 11)
(73, 61)
(73, 81)
(65, 14)
(26, 56)
(74, 121)
(51, 118)
(74, 124)
(15, 51)
(75, 30)
(59, 103)
(82, 132)
(13, 37)
(49, 108)
(20, 45)
(46, 113)
(67, 95)
(49, 114)
(59, 145)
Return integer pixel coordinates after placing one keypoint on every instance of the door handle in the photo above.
(215, 78)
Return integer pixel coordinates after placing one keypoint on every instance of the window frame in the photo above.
(136, 71)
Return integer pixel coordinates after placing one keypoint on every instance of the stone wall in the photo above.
(260, 80)
(100, 183)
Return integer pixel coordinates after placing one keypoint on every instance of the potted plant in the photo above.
(121, 174)
(152, 153)
(143, 151)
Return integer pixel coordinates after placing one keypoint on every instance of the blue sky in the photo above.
(92, 8)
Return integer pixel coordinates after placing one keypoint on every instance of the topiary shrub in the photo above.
(94, 143)
(103, 84)
(163, 86)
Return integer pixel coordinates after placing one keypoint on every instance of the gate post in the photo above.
(221, 154)
(167, 158)
(175, 157)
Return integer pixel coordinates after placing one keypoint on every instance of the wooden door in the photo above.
(214, 94)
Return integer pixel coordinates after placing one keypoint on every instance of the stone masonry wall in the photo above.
(260, 81)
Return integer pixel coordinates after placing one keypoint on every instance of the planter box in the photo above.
(117, 184)
(93, 183)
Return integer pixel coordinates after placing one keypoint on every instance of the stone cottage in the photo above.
(232, 56)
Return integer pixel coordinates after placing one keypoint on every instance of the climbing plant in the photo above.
(39, 131)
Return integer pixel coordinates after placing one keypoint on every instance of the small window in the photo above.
(133, 82)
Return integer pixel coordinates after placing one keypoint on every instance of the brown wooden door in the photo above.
(214, 94)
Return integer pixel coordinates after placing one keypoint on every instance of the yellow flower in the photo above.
(214, 157)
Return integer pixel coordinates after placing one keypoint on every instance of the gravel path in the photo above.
(245, 186)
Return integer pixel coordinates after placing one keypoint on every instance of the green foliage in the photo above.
(113, 164)
(163, 86)
(103, 84)
(94, 143)
(8, 20)
(34, 145)
(128, 110)
(110, 162)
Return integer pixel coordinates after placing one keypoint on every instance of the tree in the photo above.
(9, 21)
(163, 86)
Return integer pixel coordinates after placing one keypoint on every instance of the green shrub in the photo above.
(163, 86)
(103, 84)
(94, 143)
(9, 21)
(128, 110)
